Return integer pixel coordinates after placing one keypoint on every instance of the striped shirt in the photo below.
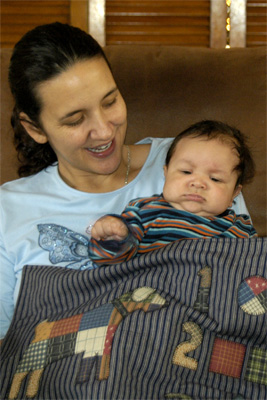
(154, 223)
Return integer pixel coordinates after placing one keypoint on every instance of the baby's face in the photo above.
(200, 177)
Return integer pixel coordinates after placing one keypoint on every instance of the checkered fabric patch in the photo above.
(257, 366)
(262, 297)
(227, 358)
(97, 317)
(66, 325)
(91, 341)
(252, 295)
(202, 301)
(34, 357)
(86, 368)
(253, 307)
(61, 347)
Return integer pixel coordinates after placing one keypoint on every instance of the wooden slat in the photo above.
(79, 14)
(182, 23)
(256, 23)
(174, 20)
(19, 16)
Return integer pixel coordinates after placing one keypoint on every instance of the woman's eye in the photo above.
(75, 123)
(110, 103)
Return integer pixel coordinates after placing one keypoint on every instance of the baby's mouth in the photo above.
(195, 197)
(100, 149)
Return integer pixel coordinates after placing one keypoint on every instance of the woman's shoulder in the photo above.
(25, 184)
(148, 148)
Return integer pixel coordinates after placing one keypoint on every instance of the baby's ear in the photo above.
(165, 168)
(33, 131)
(237, 191)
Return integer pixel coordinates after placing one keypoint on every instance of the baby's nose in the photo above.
(198, 184)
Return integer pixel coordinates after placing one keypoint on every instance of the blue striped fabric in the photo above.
(149, 349)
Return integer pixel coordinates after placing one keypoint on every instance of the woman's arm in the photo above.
(7, 287)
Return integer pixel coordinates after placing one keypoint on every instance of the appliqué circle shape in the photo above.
(252, 295)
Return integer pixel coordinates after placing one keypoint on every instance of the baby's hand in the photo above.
(109, 228)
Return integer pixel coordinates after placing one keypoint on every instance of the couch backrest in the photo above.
(167, 88)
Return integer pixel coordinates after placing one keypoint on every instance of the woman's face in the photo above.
(84, 119)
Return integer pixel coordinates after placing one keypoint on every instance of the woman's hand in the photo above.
(109, 228)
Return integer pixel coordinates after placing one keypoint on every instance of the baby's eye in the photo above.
(215, 179)
(186, 172)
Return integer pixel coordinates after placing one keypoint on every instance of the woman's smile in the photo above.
(100, 149)
(94, 144)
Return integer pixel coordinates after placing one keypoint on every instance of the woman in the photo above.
(70, 124)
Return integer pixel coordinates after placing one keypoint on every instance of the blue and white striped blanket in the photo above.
(185, 322)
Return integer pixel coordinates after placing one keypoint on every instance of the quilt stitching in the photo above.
(76, 335)
(257, 366)
(227, 358)
(252, 295)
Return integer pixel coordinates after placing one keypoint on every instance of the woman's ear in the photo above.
(37, 134)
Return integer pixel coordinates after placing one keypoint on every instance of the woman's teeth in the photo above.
(100, 149)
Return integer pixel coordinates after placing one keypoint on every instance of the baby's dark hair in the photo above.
(227, 134)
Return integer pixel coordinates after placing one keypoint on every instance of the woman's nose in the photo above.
(100, 127)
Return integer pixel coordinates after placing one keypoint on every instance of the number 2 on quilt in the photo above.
(180, 355)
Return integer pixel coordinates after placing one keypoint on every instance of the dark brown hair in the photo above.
(226, 133)
(41, 54)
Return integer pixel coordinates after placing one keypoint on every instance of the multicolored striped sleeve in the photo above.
(116, 251)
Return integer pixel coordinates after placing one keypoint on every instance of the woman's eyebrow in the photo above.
(71, 113)
(115, 89)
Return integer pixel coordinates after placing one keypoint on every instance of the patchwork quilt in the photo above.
(187, 321)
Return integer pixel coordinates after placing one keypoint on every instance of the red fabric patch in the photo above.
(109, 338)
(227, 358)
(66, 325)
(257, 284)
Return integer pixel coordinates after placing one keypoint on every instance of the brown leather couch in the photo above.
(168, 88)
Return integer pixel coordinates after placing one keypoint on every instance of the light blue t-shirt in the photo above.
(44, 221)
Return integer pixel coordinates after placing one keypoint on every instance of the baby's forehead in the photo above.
(220, 139)
(206, 150)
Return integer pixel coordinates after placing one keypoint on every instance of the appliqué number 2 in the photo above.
(180, 357)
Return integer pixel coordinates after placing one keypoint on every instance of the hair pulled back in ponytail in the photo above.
(41, 54)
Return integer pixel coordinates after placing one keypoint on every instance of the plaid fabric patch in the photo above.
(66, 325)
(257, 366)
(61, 347)
(91, 341)
(227, 358)
(86, 368)
(34, 357)
(262, 297)
(252, 295)
(202, 301)
(97, 317)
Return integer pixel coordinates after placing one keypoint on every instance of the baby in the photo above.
(206, 166)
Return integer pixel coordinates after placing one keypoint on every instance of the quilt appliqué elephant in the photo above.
(91, 333)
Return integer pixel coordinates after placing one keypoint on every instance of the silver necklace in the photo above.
(128, 165)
